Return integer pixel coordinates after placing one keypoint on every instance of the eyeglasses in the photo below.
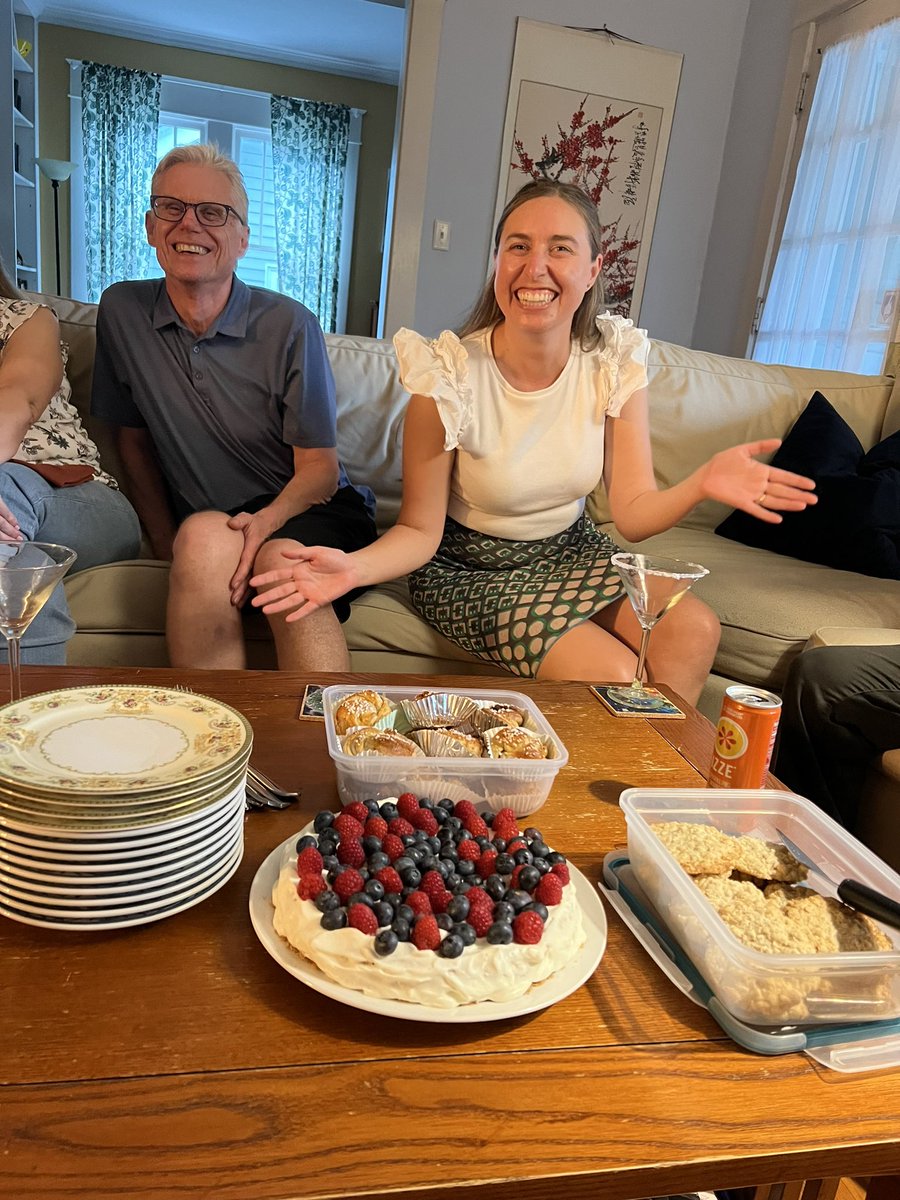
(208, 212)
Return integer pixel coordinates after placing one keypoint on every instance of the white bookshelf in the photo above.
(19, 193)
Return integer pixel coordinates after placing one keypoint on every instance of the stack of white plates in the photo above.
(118, 805)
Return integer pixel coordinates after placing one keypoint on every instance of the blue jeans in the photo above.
(94, 520)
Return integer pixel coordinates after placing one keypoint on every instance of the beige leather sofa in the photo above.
(769, 605)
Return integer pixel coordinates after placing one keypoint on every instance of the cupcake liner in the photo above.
(437, 709)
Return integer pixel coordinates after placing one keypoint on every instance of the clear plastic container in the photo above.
(760, 988)
(517, 783)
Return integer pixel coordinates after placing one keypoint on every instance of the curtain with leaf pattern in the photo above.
(309, 157)
(119, 122)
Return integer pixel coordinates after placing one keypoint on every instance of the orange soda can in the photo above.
(745, 737)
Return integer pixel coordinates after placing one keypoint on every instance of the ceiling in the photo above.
(360, 38)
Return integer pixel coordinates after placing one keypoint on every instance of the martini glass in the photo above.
(653, 585)
(29, 571)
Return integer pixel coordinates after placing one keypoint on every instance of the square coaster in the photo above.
(649, 702)
(311, 706)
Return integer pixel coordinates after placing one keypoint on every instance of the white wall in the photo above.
(475, 56)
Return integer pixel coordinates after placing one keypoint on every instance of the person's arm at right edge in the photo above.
(147, 490)
(316, 575)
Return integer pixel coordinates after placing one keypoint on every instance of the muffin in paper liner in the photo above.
(366, 707)
(506, 741)
(433, 710)
(448, 743)
(491, 716)
(365, 740)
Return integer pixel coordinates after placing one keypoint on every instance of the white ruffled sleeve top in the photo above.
(525, 461)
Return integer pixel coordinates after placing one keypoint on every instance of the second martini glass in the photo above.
(29, 571)
(653, 585)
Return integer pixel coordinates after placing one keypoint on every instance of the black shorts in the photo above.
(343, 522)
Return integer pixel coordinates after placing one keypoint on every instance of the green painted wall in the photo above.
(57, 44)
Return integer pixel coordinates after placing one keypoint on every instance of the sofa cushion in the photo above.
(768, 604)
(702, 403)
(856, 523)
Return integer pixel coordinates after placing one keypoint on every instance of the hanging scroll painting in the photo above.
(595, 110)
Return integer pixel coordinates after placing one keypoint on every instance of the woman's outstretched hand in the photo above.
(734, 477)
(316, 576)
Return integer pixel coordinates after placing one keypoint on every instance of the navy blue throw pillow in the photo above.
(856, 524)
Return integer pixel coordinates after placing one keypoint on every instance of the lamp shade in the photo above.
(57, 169)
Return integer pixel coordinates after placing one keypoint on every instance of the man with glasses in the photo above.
(224, 407)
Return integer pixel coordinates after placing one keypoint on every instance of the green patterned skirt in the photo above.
(508, 602)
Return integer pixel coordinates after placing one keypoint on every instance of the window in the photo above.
(831, 299)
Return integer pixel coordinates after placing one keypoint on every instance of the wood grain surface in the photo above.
(177, 1060)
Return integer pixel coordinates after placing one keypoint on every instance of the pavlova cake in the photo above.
(428, 902)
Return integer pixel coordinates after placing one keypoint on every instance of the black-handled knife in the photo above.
(858, 895)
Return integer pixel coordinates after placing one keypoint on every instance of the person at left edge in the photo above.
(224, 404)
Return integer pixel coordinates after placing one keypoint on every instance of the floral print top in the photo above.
(58, 435)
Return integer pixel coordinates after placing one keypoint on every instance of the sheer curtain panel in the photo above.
(119, 123)
(310, 142)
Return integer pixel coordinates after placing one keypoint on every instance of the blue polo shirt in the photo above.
(223, 409)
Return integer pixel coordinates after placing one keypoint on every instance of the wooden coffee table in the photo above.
(178, 1061)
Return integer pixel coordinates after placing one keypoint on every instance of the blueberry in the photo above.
(483, 842)
(452, 946)
(386, 942)
(454, 823)
(416, 853)
(444, 921)
(464, 836)
(499, 844)
(446, 804)
(465, 868)
(403, 863)
(475, 880)
(453, 881)
(539, 908)
(541, 865)
(421, 836)
(440, 814)
(323, 821)
(411, 877)
(330, 862)
(389, 811)
(372, 806)
(503, 911)
(539, 848)
(360, 898)
(328, 845)
(500, 933)
(523, 856)
(384, 912)
(408, 839)
(529, 878)
(363, 873)
(304, 842)
(462, 886)
(533, 834)
(458, 908)
(326, 901)
(377, 861)
(375, 889)
(505, 864)
(401, 928)
(517, 898)
(554, 857)
(434, 844)
(335, 918)
(371, 844)
(495, 887)
(450, 853)
(405, 913)
(465, 931)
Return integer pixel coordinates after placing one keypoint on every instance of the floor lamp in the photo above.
(57, 170)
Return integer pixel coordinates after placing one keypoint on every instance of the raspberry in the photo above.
(486, 863)
(505, 825)
(425, 934)
(309, 860)
(361, 917)
(357, 810)
(348, 826)
(549, 890)
(407, 805)
(476, 825)
(376, 827)
(432, 884)
(350, 852)
(518, 843)
(481, 918)
(514, 878)
(562, 870)
(463, 809)
(419, 902)
(469, 850)
(347, 883)
(389, 880)
(400, 827)
(477, 895)
(528, 928)
(440, 901)
(310, 884)
(425, 819)
(392, 846)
